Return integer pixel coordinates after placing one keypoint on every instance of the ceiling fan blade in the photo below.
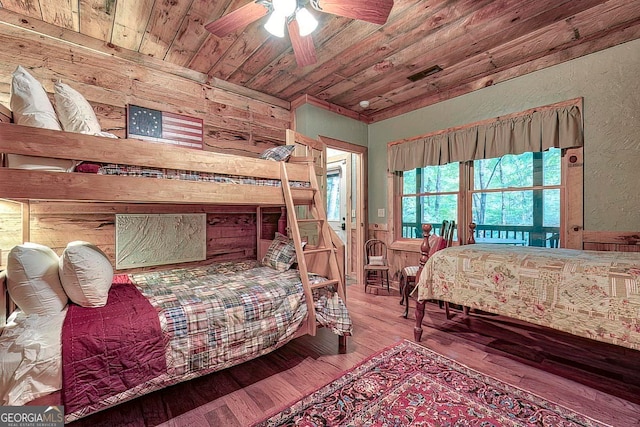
(374, 11)
(237, 19)
(303, 47)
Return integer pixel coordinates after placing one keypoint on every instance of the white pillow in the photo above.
(33, 280)
(30, 103)
(74, 111)
(86, 274)
(31, 107)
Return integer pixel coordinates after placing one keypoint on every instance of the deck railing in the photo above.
(548, 237)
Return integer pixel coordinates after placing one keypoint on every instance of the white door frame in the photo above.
(359, 198)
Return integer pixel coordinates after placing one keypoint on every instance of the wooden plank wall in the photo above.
(236, 120)
(231, 231)
(611, 241)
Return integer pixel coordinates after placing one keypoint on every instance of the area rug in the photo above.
(410, 385)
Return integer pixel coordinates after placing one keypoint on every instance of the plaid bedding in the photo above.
(216, 316)
(128, 170)
(220, 315)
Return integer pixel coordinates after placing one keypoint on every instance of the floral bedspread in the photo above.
(586, 293)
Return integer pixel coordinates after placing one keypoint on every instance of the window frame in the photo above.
(571, 203)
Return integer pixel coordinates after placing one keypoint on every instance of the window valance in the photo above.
(532, 131)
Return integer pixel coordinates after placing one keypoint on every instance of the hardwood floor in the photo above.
(599, 380)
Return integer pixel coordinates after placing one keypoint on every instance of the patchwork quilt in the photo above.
(592, 294)
(213, 317)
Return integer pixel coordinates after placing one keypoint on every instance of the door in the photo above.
(338, 194)
(352, 201)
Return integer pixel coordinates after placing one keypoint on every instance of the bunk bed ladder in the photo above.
(324, 254)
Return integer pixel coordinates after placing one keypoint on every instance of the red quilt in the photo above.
(110, 349)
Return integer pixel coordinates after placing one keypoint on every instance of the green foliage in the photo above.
(430, 194)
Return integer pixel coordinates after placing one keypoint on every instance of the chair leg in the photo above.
(366, 281)
(386, 275)
(405, 294)
(403, 284)
(446, 310)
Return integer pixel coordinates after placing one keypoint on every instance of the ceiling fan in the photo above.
(299, 21)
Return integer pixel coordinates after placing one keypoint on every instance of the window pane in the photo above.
(503, 208)
(333, 197)
(551, 217)
(409, 217)
(409, 182)
(409, 209)
(551, 166)
(436, 209)
(530, 217)
(503, 172)
(439, 179)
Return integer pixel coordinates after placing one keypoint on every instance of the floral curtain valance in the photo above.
(535, 131)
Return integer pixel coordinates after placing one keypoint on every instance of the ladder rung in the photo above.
(310, 220)
(325, 283)
(316, 250)
(300, 159)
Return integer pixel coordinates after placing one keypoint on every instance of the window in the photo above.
(514, 199)
(429, 195)
(333, 195)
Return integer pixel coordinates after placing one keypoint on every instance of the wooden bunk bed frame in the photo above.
(34, 185)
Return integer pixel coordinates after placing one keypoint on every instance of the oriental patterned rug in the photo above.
(409, 385)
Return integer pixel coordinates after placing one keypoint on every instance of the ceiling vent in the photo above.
(424, 73)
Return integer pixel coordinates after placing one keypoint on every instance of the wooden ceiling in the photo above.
(476, 43)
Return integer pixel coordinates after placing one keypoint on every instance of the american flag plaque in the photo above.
(160, 126)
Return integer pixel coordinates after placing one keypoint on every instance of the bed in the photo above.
(158, 328)
(179, 303)
(593, 294)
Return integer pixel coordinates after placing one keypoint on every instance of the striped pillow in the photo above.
(279, 153)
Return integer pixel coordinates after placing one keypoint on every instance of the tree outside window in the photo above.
(514, 198)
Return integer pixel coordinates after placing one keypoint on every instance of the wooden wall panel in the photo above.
(231, 232)
(10, 229)
(611, 241)
(236, 120)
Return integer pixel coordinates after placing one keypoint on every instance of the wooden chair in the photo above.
(408, 274)
(376, 269)
(424, 256)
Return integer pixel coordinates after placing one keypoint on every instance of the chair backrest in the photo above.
(446, 232)
(376, 251)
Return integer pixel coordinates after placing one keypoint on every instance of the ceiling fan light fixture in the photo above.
(284, 7)
(275, 24)
(306, 21)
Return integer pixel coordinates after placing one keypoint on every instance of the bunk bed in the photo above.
(282, 305)
(592, 294)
